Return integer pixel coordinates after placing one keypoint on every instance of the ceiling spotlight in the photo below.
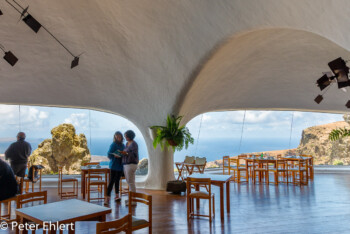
(9, 56)
(75, 62)
(318, 99)
(348, 104)
(324, 82)
(1, 12)
(32, 23)
(341, 72)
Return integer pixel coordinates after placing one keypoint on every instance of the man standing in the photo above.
(18, 153)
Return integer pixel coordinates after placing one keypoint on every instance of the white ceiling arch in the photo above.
(272, 68)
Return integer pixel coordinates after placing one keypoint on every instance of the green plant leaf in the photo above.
(172, 131)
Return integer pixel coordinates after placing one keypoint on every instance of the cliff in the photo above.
(65, 148)
(314, 141)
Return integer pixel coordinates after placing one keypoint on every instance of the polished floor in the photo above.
(321, 207)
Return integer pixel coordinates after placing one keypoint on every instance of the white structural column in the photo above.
(160, 166)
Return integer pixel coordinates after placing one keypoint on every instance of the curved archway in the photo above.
(265, 69)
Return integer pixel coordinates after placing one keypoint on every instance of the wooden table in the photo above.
(63, 212)
(261, 161)
(218, 180)
(84, 171)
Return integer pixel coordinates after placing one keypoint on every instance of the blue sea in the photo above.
(212, 149)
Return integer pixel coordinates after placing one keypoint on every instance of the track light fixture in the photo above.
(339, 74)
(340, 71)
(318, 99)
(9, 56)
(35, 26)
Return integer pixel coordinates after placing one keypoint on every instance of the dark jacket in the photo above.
(116, 163)
(18, 152)
(8, 183)
(133, 154)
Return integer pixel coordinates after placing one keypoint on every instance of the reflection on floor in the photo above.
(321, 207)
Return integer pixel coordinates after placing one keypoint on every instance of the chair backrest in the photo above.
(299, 163)
(195, 182)
(200, 161)
(225, 159)
(311, 159)
(31, 197)
(241, 159)
(189, 159)
(281, 163)
(91, 163)
(234, 161)
(120, 225)
(257, 162)
(143, 198)
(100, 171)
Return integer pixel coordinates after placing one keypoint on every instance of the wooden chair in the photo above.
(199, 165)
(30, 198)
(299, 172)
(116, 226)
(123, 190)
(310, 165)
(91, 181)
(61, 181)
(34, 180)
(138, 223)
(198, 195)
(98, 177)
(237, 168)
(7, 217)
(188, 163)
(280, 167)
(262, 169)
(226, 165)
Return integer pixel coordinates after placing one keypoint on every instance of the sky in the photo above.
(212, 131)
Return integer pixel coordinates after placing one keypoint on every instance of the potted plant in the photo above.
(172, 135)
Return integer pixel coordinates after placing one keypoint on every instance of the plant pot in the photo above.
(172, 142)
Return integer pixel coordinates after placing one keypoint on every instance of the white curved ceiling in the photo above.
(146, 59)
(141, 57)
(266, 69)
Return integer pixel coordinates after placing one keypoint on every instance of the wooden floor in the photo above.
(321, 207)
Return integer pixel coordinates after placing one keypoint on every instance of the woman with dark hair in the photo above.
(115, 164)
(130, 159)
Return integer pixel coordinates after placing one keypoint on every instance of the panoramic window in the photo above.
(232, 133)
(38, 122)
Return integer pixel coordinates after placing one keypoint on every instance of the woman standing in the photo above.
(130, 160)
(115, 165)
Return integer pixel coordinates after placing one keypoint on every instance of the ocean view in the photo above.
(212, 149)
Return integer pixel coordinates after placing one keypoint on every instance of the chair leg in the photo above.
(267, 177)
(209, 210)
(214, 205)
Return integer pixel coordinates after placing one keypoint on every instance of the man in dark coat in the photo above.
(8, 183)
(18, 154)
